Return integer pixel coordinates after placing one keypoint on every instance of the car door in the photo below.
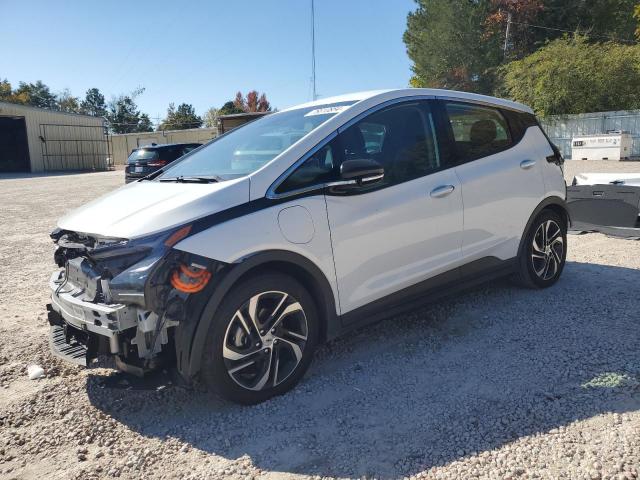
(501, 179)
(407, 228)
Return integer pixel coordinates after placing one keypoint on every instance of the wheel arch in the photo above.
(555, 204)
(190, 346)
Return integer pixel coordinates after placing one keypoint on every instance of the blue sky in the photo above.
(202, 52)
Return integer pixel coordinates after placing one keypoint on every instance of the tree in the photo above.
(263, 103)
(597, 19)
(240, 103)
(521, 14)
(229, 108)
(7, 94)
(459, 43)
(211, 117)
(180, 118)
(144, 123)
(571, 75)
(6, 91)
(124, 117)
(446, 41)
(67, 102)
(253, 102)
(94, 104)
(36, 94)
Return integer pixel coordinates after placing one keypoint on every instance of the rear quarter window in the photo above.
(478, 131)
(519, 123)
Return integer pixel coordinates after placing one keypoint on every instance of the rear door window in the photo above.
(188, 148)
(478, 131)
(170, 154)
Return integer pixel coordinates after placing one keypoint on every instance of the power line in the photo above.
(313, 51)
(606, 37)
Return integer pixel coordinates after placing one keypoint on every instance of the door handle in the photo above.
(527, 164)
(442, 191)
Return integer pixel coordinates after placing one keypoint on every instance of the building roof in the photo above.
(164, 145)
(243, 115)
(48, 110)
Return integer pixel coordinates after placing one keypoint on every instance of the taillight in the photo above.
(157, 163)
(190, 278)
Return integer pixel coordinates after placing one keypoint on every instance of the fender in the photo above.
(558, 202)
(190, 339)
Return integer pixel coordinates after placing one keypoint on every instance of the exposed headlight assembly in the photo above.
(142, 256)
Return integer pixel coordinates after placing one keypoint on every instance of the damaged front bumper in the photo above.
(80, 329)
(69, 310)
(121, 300)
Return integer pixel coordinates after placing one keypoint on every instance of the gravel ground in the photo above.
(498, 383)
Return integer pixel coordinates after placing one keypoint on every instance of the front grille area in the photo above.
(71, 351)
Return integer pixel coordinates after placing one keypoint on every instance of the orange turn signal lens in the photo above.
(177, 236)
(190, 278)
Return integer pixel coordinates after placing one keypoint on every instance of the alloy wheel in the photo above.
(265, 340)
(547, 250)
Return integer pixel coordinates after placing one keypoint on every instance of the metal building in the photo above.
(561, 129)
(231, 121)
(36, 140)
(122, 144)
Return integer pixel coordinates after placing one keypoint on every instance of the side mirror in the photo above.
(361, 171)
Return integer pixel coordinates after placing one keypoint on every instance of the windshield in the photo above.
(246, 149)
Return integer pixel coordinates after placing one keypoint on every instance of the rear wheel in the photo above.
(262, 339)
(544, 252)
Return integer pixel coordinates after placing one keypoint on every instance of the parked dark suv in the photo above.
(146, 160)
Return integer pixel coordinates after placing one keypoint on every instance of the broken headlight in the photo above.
(141, 257)
(121, 267)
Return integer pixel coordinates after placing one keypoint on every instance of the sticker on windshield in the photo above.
(327, 110)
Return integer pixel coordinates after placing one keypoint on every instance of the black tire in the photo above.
(532, 261)
(234, 334)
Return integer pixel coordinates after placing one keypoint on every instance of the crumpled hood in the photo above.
(144, 208)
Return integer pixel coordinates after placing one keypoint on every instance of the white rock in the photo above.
(35, 372)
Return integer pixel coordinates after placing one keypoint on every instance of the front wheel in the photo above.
(261, 340)
(544, 251)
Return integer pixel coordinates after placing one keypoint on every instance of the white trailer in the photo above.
(608, 146)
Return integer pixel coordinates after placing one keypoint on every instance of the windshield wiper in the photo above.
(183, 179)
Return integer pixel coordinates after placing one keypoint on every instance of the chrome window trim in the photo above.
(382, 105)
(271, 192)
(482, 103)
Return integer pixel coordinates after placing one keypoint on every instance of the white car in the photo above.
(236, 273)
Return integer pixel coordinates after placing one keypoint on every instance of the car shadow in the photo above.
(462, 377)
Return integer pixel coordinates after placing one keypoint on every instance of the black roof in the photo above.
(244, 115)
(163, 145)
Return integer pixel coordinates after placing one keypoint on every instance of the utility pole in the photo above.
(506, 37)
(313, 52)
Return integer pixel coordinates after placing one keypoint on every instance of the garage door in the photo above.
(14, 152)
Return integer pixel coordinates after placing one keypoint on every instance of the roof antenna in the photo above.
(313, 52)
